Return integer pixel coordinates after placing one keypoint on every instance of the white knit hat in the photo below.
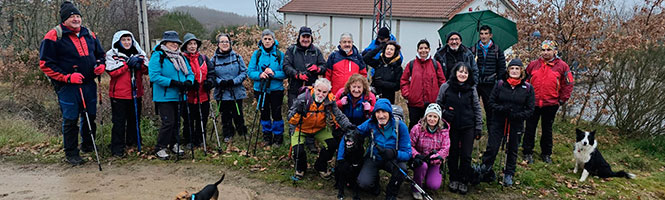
(435, 108)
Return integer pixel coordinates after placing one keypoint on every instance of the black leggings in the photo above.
(459, 159)
(272, 105)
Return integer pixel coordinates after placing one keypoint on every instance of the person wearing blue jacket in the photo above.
(265, 69)
(389, 142)
(227, 78)
(170, 75)
(382, 37)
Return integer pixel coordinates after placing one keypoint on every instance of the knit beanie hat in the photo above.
(67, 9)
(384, 33)
(435, 108)
(515, 62)
(453, 33)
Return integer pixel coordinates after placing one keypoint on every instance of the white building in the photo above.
(412, 20)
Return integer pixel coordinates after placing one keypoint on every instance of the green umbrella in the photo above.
(504, 31)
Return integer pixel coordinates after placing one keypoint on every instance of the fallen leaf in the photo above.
(235, 162)
(636, 155)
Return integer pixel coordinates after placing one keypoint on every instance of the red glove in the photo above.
(99, 70)
(76, 78)
(314, 68)
(302, 77)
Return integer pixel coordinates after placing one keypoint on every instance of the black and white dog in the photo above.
(347, 170)
(589, 159)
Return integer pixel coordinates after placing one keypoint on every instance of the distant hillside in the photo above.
(212, 19)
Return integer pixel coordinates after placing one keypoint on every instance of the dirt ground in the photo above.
(135, 181)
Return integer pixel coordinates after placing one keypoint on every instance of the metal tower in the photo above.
(383, 16)
(262, 8)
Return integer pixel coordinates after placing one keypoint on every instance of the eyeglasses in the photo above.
(454, 39)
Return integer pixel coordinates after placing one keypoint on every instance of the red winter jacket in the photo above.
(552, 81)
(421, 85)
(341, 66)
(121, 83)
(199, 64)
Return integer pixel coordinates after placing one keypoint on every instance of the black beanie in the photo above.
(384, 33)
(423, 41)
(453, 33)
(515, 62)
(67, 9)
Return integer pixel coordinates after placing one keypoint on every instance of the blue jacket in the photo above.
(373, 46)
(161, 75)
(386, 137)
(272, 60)
(229, 66)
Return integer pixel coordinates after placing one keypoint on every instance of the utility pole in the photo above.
(262, 8)
(383, 15)
(143, 25)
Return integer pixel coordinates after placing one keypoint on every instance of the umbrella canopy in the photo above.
(504, 31)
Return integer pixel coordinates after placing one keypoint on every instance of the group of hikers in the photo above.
(349, 94)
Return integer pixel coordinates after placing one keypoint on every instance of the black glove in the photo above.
(418, 160)
(229, 83)
(208, 85)
(477, 133)
(178, 85)
(351, 127)
(386, 154)
(302, 110)
(449, 115)
(135, 63)
(189, 85)
(195, 86)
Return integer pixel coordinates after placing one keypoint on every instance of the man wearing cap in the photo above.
(71, 56)
(455, 52)
(303, 63)
(552, 82)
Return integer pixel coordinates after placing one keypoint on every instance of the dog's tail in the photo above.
(220, 180)
(624, 174)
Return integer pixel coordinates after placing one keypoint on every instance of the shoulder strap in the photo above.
(411, 66)
(396, 133)
(58, 32)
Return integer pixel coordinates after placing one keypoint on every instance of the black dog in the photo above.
(347, 170)
(208, 192)
(589, 159)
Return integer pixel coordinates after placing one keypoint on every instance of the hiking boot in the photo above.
(453, 186)
(278, 140)
(390, 197)
(180, 151)
(546, 158)
(528, 158)
(87, 149)
(119, 154)
(417, 196)
(75, 160)
(487, 174)
(299, 175)
(161, 154)
(463, 188)
(508, 180)
(325, 175)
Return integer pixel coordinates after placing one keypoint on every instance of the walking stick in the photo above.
(99, 99)
(203, 132)
(263, 100)
(214, 125)
(136, 108)
(87, 118)
(189, 126)
(413, 182)
(256, 113)
(294, 178)
(504, 141)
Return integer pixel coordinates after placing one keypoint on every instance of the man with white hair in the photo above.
(344, 62)
(314, 113)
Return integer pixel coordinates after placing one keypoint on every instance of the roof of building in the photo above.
(400, 8)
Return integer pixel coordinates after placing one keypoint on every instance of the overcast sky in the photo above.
(242, 7)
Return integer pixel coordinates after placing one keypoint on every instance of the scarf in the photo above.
(432, 130)
(514, 81)
(194, 63)
(485, 48)
(177, 60)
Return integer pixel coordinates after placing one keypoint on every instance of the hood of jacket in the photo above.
(118, 35)
(382, 104)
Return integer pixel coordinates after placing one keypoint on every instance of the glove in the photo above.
(99, 70)
(418, 160)
(177, 84)
(302, 76)
(226, 83)
(195, 86)
(230, 83)
(189, 85)
(344, 100)
(75, 78)
(314, 69)
(449, 115)
(435, 159)
(302, 110)
(367, 106)
(386, 154)
(477, 133)
(135, 63)
(208, 85)
(350, 128)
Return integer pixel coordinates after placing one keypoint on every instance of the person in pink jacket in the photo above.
(429, 147)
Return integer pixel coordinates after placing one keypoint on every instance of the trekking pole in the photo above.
(294, 178)
(506, 135)
(87, 118)
(263, 100)
(99, 99)
(189, 126)
(203, 132)
(214, 125)
(415, 185)
(136, 108)
(256, 113)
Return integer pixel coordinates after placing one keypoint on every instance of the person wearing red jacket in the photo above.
(124, 60)
(420, 82)
(198, 98)
(552, 82)
(344, 62)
